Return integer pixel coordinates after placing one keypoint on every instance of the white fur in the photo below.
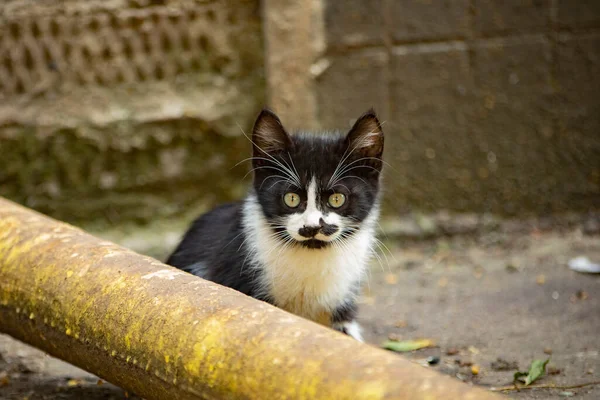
(307, 282)
(352, 328)
(311, 217)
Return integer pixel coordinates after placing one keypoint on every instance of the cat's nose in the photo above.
(309, 231)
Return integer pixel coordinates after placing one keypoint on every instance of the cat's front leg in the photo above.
(350, 328)
(344, 320)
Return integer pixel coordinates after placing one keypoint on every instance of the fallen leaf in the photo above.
(536, 370)
(391, 279)
(475, 370)
(451, 351)
(73, 382)
(518, 375)
(551, 370)
(462, 363)
(407, 345)
(541, 279)
(511, 268)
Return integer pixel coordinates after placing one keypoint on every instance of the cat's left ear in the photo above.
(365, 139)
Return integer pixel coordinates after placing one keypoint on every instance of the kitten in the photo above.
(303, 237)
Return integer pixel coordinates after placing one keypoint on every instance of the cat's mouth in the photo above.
(313, 243)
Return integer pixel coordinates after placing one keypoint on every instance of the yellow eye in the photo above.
(337, 200)
(291, 200)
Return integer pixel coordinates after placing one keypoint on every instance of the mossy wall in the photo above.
(133, 110)
(127, 110)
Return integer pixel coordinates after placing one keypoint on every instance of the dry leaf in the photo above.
(401, 324)
(407, 345)
(391, 279)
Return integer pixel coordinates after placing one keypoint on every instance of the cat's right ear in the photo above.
(269, 136)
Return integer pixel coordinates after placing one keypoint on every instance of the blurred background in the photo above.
(132, 111)
(126, 117)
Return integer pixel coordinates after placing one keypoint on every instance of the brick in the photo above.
(428, 142)
(354, 23)
(419, 19)
(513, 67)
(514, 121)
(353, 83)
(511, 16)
(578, 113)
(578, 75)
(578, 13)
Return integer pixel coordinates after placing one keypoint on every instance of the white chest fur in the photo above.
(307, 282)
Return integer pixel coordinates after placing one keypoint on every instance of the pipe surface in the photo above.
(165, 334)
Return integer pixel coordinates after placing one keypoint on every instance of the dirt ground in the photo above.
(492, 302)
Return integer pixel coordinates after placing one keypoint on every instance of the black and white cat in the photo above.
(303, 237)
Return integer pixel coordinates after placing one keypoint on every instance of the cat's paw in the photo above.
(350, 328)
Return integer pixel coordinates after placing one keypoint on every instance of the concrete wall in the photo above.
(131, 110)
(126, 110)
(489, 105)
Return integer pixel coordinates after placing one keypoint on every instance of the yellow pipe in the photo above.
(165, 334)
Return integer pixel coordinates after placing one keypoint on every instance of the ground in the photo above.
(505, 295)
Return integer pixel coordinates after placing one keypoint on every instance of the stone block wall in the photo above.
(488, 105)
(126, 110)
(133, 110)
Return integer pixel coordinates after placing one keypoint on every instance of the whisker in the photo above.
(348, 177)
(273, 159)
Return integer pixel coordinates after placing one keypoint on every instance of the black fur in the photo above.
(318, 155)
(214, 247)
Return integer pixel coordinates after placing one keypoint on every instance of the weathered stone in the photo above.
(511, 16)
(461, 224)
(579, 13)
(591, 225)
(351, 85)
(115, 111)
(513, 126)
(578, 83)
(294, 41)
(578, 119)
(428, 144)
(354, 23)
(75, 178)
(441, 19)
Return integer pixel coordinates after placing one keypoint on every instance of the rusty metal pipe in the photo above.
(165, 334)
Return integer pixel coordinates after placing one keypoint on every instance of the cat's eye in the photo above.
(291, 200)
(337, 200)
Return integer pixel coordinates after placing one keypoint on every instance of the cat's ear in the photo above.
(269, 135)
(365, 139)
